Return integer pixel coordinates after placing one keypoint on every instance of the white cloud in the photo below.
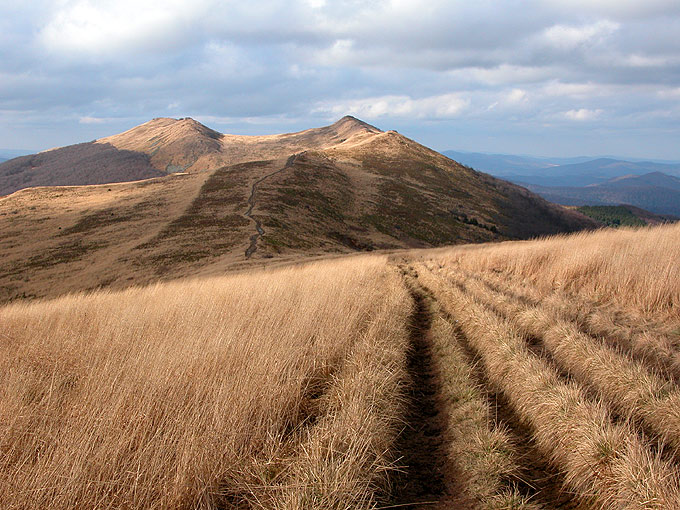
(638, 60)
(576, 90)
(100, 27)
(669, 93)
(583, 114)
(617, 8)
(516, 96)
(505, 74)
(94, 120)
(445, 106)
(568, 37)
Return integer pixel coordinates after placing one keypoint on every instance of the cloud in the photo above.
(583, 114)
(673, 93)
(443, 106)
(569, 37)
(505, 67)
(102, 27)
(94, 120)
(517, 96)
(574, 90)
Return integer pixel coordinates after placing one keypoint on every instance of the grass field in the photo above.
(523, 375)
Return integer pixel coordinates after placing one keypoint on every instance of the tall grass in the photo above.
(600, 459)
(625, 385)
(240, 390)
(637, 269)
(487, 462)
(654, 343)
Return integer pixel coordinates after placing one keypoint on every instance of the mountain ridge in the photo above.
(251, 200)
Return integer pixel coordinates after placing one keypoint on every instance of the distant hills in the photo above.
(655, 192)
(194, 201)
(624, 215)
(580, 181)
(7, 154)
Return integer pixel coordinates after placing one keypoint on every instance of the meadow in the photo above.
(533, 374)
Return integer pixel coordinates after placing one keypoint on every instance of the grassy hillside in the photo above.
(86, 163)
(244, 201)
(525, 375)
(185, 396)
(612, 215)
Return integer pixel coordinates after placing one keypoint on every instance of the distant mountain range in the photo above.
(7, 154)
(655, 192)
(651, 185)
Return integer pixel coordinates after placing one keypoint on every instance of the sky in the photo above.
(537, 77)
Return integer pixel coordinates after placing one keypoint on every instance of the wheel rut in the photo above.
(538, 480)
(259, 231)
(659, 361)
(422, 482)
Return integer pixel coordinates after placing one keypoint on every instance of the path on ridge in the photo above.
(251, 204)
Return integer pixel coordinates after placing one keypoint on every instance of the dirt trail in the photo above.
(251, 204)
(426, 480)
(538, 480)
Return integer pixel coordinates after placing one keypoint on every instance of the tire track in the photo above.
(423, 481)
(251, 205)
(653, 416)
(538, 479)
(647, 346)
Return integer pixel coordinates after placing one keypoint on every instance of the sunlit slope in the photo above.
(338, 189)
(280, 389)
(527, 375)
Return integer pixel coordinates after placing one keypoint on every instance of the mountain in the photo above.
(160, 147)
(624, 215)
(657, 179)
(211, 202)
(577, 171)
(593, 172)
(500, 165)
(655, 192)
(85, 163)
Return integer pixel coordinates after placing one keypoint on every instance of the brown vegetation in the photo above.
(236, 203)
(578, 336)
(280, 389)
(535, 374)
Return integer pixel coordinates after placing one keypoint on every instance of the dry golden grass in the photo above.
(486, 460)
(601, 460)
(636, 269)
(269, 390)
(626, 385)
(286, 388)
(654, 343)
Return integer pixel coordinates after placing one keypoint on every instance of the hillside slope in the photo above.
(624, 215)
(655, 192)
(245, 200)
